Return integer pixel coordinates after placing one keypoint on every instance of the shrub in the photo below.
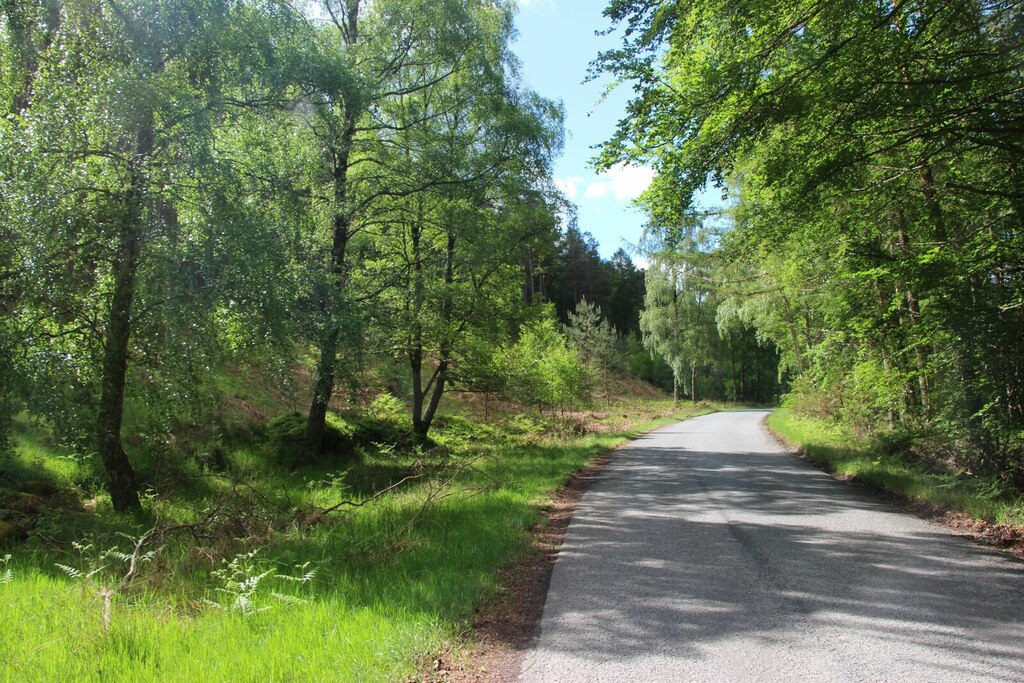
(541, 369)
(387, 408)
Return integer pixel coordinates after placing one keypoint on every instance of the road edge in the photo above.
(503, 632)
(1006, 540)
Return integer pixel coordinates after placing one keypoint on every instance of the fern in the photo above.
(289, 599)
(78, 574)
(241, 578)
(306, 576)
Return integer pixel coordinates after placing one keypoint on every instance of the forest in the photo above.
(873, 229)
(191, 187)
(290, 295)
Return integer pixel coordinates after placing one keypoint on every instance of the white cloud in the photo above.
(624, 182)
(596, 190)
(570, 186)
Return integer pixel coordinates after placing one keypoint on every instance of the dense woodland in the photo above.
(191, 187)
(194, 186)
(871, 155)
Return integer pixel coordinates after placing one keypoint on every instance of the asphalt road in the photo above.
(705, 552)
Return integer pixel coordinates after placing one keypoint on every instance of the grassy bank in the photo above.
(848, 456)
(250, 578)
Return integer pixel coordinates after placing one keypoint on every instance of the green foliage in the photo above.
(572, 270)
(475, 154)
(541, 368)
(871, 158)
(393, 580)
(386, 408)
(595, 340)
(642, 363)
(886, 462)
(384, 425)
(391, 431)
(187, 185)
(209, 207)
(241, 578)
(590, 334)
(138, 243)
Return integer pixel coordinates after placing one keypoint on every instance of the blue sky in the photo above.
(556, 43)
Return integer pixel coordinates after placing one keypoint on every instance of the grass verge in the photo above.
(847, 456)
(268, 592)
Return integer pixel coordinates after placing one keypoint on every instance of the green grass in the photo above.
(395, 581)
(850, 457)
(36, 458)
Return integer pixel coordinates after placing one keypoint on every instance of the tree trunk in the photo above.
(23, 28)
(932, 204)
(732, 370)
(528, 283)
(743, 374)
(757, 379)
(675, 389)
(886, 362)
(607, 383)
(693, 381)
(414, 313)
(915, 316)
(440, 378)
(323, 389)
(423, 415)
(418, 395)
(340, 228)
(791, 325)
(121, 479)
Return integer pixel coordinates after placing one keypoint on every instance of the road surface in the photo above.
(705, 552)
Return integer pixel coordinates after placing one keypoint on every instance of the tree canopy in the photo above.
(871, 151)
(188, 185)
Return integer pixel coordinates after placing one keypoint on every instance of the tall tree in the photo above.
(478, 171)
(389, 50)
(577, 272)
(875, 147)
(626, 295)
(118, 131)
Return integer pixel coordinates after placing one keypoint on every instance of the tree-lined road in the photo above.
(705, 552)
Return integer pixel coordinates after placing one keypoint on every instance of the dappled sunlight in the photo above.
(681, 554)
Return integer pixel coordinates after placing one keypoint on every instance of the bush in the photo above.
(541, 369)
(387, 408)
(370, 430)
(892, 442)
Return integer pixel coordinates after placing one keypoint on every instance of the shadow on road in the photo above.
(678, 552)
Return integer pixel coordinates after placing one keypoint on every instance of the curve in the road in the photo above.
(706, 552)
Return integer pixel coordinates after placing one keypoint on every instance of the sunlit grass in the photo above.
(54, 631)
(49, 464)
(852, 457)
(395, 581)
